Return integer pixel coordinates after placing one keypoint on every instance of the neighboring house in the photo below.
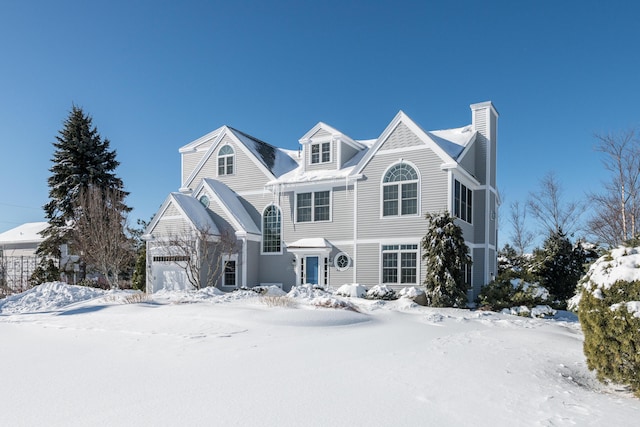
(336, 211)
(18, 257)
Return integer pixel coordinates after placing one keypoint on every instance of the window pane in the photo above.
(315, 153)
(400, 172)
(226, 150)
(408, 268)
(321, 206)
(409, 199)
(271, 229)
(469, 199)
(221, 168)
(390, 200)
(304, 207)
(456, 200)
(390, 268)
(326, 151)
(229, 165)
(229, 273)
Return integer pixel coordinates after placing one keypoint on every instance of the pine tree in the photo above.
(82, 158)
(559, 265)
(446, 256)
(139, 276)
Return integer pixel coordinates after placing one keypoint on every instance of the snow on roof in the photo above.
(25, 233)
(274, 159)
(298, 176)
(453, 141)
(196, 212)
(230, 199)
(317, 242)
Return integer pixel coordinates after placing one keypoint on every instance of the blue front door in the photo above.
(311, 270)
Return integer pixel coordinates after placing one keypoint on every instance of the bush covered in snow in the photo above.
(414, 294)
(354, 290)
(307, 291)
(381, 292)
(331, 302)
(524, 311)
(609, 312)
(505, 293)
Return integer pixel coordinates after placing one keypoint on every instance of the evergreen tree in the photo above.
(446, 256)
(82, 158)
(139, 276)
(559, 265)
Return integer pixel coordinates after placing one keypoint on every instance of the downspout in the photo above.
(355, 231)
(244, 261)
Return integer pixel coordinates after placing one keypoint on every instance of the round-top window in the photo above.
(205, 201)
(342, 261)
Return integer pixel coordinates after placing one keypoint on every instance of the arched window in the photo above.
(271, 227)
(400, 191)
(225, 160)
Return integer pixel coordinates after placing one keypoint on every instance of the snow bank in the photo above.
(48, 296)
(354, 290)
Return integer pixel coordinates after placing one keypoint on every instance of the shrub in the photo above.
(513, 294)
(136, 298)
(381, 292)
(330, 302)
(278, 301)
(354, 290)
(610, 319)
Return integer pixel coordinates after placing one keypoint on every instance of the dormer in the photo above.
(325, 148)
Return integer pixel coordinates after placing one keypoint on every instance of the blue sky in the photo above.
(156, 75)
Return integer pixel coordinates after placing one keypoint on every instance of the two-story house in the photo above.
(336, 211)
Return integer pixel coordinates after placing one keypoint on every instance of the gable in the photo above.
(321, 133)
(250, 173)
(403, 134)
(180, 214)
(226, 205)
(169, 222)
(401, 137)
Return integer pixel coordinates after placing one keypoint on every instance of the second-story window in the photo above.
(400, 191)
(462, 202)
(321, 153)
(314, 206)
(225, 160)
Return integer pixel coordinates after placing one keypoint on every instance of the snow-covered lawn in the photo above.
(76, 357)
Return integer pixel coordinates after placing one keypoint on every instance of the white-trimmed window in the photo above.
(462, 202)
(400, 191)
(467, 274)
(229, 271)
(313, 206)
(342, 261)
(271, 230)
(320, 153)
(400, 264)
(225, 160)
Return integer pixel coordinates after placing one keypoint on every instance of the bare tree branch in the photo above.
(98, 234)
(521, 237)
(201, 254)
(551, 211)
(618, 207)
